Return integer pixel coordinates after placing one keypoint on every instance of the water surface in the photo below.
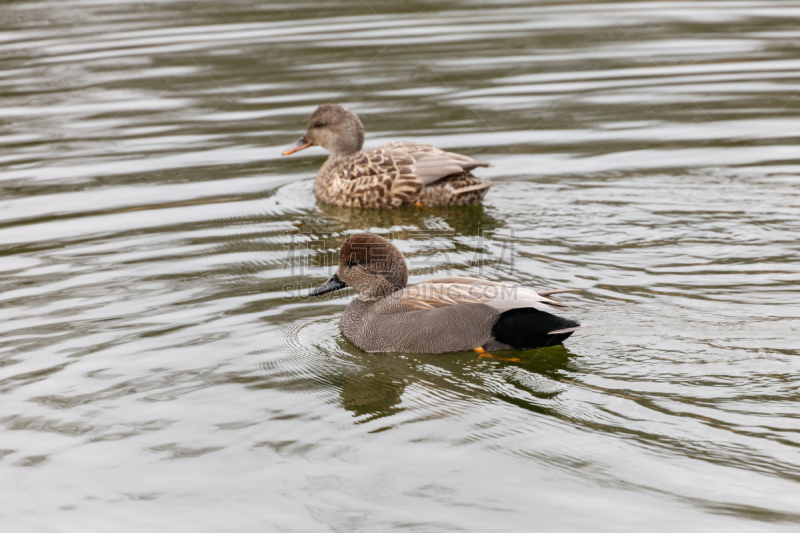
(158, 375)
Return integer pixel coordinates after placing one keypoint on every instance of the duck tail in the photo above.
(475, 164)
(471, 188)
(567, 330)
(526, 328)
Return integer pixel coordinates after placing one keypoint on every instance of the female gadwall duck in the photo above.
(392, 175)
(449, 314)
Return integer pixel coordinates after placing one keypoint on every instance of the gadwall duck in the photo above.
(449, 314)
(393, 175)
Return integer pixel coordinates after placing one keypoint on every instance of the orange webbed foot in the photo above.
(484, 353)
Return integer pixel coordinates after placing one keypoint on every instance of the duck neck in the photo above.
(326, 173)
(349, 140)
(352, 320)
(381, 291)
(333, 160)
(348, 146)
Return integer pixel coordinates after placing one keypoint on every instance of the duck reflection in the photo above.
(463, 220)
(373, 393)
(327, 233)
(376, 389)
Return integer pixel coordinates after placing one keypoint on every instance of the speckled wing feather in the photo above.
(401, 173)
(379, 177)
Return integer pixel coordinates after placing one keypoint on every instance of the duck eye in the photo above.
(319, 125)
(352, 263)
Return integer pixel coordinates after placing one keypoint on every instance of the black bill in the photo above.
(333, 284)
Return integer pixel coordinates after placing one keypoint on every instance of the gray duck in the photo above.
(447, 314)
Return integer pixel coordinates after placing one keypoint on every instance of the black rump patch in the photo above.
(528, 328)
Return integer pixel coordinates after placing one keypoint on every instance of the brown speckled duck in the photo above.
(439, 315)
(393, 175)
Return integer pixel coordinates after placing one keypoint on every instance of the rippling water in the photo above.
(157, 375)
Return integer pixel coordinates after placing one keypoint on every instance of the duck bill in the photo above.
(333, 284)
(301, 144)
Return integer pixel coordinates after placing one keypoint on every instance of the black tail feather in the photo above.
(528, 328)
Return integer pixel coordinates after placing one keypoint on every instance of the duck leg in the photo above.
(484, 353)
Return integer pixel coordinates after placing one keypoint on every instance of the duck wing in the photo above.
(432, 164)
(446, 317)
(449, 317)
(443, 292)
(506, 287)
(379, 177)
(395, 174)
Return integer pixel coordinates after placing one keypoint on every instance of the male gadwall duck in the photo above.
(449, 314)
(393, 175)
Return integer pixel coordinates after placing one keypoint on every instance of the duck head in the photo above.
(370, 264)
(333, 127)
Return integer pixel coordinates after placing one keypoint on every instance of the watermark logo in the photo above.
(435, 252)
